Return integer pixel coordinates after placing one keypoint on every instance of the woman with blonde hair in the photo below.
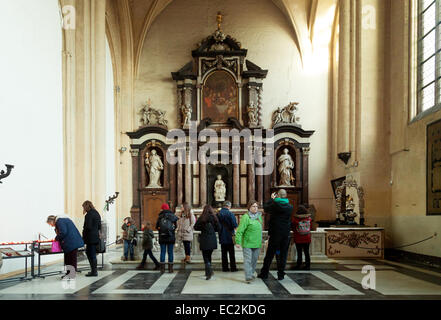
(186, 223)
(249, 236)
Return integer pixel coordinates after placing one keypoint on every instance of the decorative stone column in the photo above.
(236, 176)
(203, 184)
(259, 181)
(255, 100)
(187, 101)
(179, 103)
(173, 188)
(136, 203)
(305, 193)
(179, 184)
(188, 178)
(251, 179)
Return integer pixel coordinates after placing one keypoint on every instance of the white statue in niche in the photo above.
(220, 189)
(285, 166)
(154, 166)
(186, 113)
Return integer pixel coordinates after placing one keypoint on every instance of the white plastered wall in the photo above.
(31, 121)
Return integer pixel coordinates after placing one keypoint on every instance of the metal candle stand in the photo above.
(46, 274)
(30, 255)
(35, 247)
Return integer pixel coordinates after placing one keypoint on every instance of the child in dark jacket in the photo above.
(301, 226)
(147, 245)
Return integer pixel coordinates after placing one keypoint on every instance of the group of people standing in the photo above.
(248, 235)
(71, 240)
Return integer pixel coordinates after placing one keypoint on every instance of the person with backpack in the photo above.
(301, 227)
(166, 225)
(129, 235)
(249, 236)
(208, 225)
(227, 223)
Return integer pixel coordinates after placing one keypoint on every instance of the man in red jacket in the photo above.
(301, 227)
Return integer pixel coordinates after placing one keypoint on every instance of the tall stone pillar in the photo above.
(84, 101)
(344, 77)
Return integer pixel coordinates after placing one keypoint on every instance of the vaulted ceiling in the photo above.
(300, 14)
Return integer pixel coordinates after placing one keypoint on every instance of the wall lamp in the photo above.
(122, 150)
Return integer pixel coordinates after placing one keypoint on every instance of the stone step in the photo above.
(197, 264)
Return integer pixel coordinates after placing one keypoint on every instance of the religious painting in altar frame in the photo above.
(433, 176)
(220, 99)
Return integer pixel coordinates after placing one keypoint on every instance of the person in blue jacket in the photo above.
(69, 237)
(228, 223)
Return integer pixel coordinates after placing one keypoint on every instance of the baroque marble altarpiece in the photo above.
(218, 89)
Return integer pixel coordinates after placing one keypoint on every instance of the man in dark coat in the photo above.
(227, 224)
(69, 238)
(278, 232)
(166, 225)
(91, 236)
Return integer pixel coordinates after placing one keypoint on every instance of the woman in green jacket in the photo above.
(249, 236)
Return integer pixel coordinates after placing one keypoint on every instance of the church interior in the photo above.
(133, 104)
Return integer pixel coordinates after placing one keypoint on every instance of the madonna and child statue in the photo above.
(220, 189)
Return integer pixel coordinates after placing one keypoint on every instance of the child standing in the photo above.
(129, 234)
(147, 245)
(301, 225)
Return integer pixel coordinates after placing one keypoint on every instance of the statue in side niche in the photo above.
(285, 166)
(154, 166)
